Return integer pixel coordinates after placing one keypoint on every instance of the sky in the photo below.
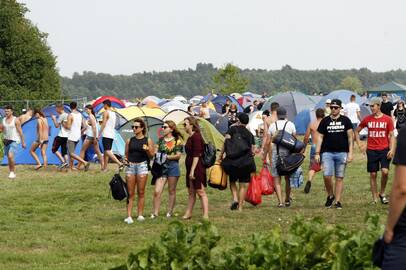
(131, 36)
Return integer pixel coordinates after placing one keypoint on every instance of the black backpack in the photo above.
(209, 155)
(118, 188)
(236, 146)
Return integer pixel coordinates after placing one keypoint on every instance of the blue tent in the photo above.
(2, 113)
(220, 100)
(23, 156)
(302, 120)
(118, 148)
(343, 95)
(51, 110)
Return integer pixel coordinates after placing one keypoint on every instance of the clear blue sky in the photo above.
(129, 36)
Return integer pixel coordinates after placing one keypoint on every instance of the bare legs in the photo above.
(192, 199)
(238, 194)
(159, 187)
(43, 149)
(339, 186)
(86, 146)
(136, 182)
(374, 185)
(108, 154)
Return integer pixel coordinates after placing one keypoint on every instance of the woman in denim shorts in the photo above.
(171, 146)
(138, 150)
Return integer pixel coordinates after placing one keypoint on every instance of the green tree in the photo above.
(352, 83)
(27, 65)
(229, 79)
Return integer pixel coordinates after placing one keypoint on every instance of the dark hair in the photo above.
(353, 96)
(90, 107)
(274, 106)
(319, 113)
(142, 124)
(73, 105)
(59, 105)
(193, 122)
(266, 112)
(384, 94)
(8, 107)
(107, 102)
(38, 110)
(175, 131)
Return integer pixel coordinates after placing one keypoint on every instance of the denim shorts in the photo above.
(334, 163)
(137, 168)
(11, 148)
(172, 168)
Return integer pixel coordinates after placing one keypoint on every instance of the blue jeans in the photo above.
(334, 163)
(11, 148)
(137, 168)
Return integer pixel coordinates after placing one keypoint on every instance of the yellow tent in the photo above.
(132, 112)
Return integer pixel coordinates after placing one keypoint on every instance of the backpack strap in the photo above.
(283, 132)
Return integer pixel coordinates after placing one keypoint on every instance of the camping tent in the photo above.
(219, 121)
(180, 99)
(303, 119)
(196, 99)
(176, 116)
(174, 105)
(115, 103)
(293, 102)
(220, 100)
(136, 111)
(153, 99)
(395, 91)
(343, 95)
(208, 131)
(236, 95)
(154, 128)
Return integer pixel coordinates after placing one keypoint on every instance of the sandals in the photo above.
(383, 198)
(38, 167)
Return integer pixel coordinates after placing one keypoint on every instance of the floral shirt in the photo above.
(171, 147)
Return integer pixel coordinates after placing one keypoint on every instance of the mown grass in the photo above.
(51, 220)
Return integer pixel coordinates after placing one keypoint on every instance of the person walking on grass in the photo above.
(195, 171)
(12, 137)
(314, 166)
(92, 133)
(395, 231)
(240, 168)
(276, 151)
(74, 124)
(380, 147)
(138, 151)
(42, 139)
(400, 115)
(61, 140)
(386, 105)
(353, 111)
(335, 143)
(170, 146)
(107, 131)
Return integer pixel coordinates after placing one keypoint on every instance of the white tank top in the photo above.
(10, 130)
(89, 130)
(109, 129)
(75, 130)
(63, 132)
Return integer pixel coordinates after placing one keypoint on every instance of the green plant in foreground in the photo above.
(306, 245)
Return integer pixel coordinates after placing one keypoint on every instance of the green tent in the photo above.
(209, 133)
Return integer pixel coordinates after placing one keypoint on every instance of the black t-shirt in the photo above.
(245, 134)
(335, 137)
(400, 116)
(400, 159)
(387, 108)
(224, 108)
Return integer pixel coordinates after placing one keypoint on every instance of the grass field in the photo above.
(51, 220)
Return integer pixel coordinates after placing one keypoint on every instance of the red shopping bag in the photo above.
(267, 185)
(253, 195)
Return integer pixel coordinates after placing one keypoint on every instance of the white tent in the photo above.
(180, 99)
(174, 105)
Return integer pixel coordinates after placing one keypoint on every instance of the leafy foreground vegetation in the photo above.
(68, 221)
(306, 245)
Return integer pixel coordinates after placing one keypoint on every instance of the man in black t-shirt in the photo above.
(386, 106)
(335, 145)
(395, 231)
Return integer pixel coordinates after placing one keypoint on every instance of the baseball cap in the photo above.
(243, 117)
(328, 101)
(336, 102)
(281, 112)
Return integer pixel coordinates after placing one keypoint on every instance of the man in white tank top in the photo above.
(108, 132)
(12, 136)
(75, 123)
(61, 141)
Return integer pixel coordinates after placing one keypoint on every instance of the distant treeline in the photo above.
(199, 81)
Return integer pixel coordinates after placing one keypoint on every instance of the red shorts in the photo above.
(315, 166)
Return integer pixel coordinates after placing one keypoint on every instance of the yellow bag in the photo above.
(217, 177)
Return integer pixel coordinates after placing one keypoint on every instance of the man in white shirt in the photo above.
(61, 141)
(353, 111)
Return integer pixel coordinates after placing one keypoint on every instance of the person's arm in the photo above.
(392, 146)
(127, 146)
(84, 126)
(151, 149)
(104, 122)
(20, 132)
(197, 150)
(318, 146)
(69, 122)
(56, 124)
(359, 115)
(350, 135)
(397, 202)
(193, 168)
(357, 138)
(307, 136)
(94, 126)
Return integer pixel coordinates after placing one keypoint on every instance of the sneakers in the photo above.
(140, 218)
(129, 220)
(169, 215)
(288, 203)
(329, 201)
(383, 198)
(153, 216)
(12, 175)
(307, 187)
(338, 205)
(234, 206)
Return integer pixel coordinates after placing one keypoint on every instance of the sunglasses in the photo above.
(371, 106)
(334, 107)
(164, 127)
(136, 127)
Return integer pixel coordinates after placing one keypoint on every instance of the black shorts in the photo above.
(62, 143)
(377, 159)
(107, 144)
(241, 177)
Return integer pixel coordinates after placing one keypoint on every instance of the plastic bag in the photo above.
(267, 185)
(254, 195)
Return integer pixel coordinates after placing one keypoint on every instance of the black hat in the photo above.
(281, 112)
(243, 117)
(336, 102)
